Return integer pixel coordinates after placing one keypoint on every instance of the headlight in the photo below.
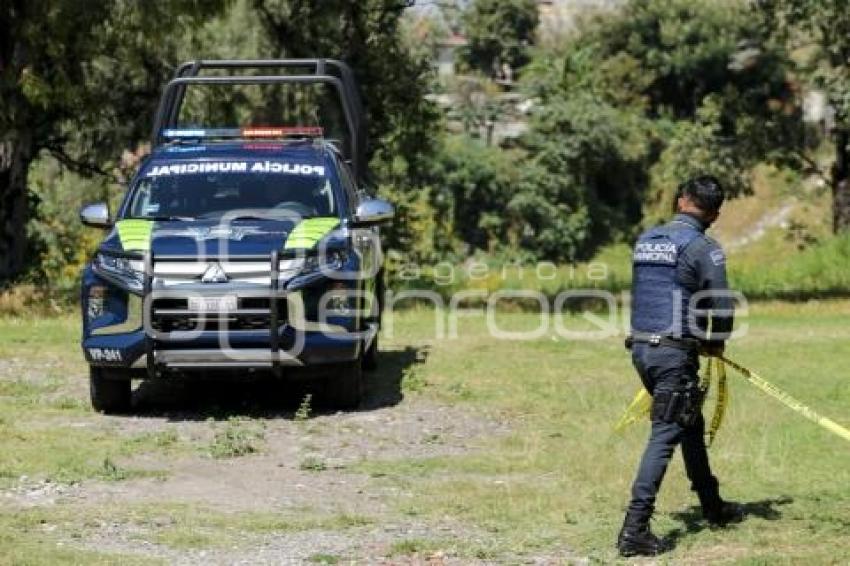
(330, 261)
(123, 271)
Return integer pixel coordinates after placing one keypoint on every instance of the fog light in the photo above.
(96, 301)
(337, 300)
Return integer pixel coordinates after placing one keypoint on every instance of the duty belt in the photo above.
(660, 340)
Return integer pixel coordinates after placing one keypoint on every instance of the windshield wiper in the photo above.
(249, 217)
(164, 218)
(275, 217)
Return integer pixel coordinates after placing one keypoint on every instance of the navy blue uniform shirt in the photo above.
(702, 267)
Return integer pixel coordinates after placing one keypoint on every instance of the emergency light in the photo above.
(247, 132)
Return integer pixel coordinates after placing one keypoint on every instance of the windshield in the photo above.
(195, 190)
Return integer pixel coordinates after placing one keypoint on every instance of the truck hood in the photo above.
(242, 237)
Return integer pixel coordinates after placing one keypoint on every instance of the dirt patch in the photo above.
(364, 545)
(302, 465)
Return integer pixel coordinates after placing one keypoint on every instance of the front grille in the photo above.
(173, 315)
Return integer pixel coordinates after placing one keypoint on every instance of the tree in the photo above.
(473, 184)
(581, 182)
(402, 125)
(644, 97)
(366, 35)
(822, 28)
(499, 32)
(80, 83)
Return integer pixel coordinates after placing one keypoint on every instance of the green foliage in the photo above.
(393, 78)
(821, 30)
(499, 32)
(312, 464)
(582, 179)
(824, 25)
(818, 271)
(635, 101)
(304, 409)
(88, 88)
(82, 85)
(675, 53)
(695, 147)
(237, 438)
(57, 239)
(473, 184)
(365, 34)
(640, 100)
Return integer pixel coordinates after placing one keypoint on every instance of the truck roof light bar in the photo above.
(240, 133)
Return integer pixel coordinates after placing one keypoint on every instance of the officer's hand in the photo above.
(712, 348)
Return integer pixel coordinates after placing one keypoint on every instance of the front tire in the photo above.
(110, 391)
(345, 386)
(370, 356)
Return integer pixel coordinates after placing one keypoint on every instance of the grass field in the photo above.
(550, 481)
(563, 476)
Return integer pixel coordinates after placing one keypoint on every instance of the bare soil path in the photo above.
(300, 464)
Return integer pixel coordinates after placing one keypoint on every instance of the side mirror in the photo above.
(96, 215)
(373, 211)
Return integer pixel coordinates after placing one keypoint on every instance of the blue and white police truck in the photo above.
(239, 248)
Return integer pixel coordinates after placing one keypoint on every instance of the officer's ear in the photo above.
(685, 204)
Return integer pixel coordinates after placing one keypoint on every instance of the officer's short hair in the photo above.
(705, 190)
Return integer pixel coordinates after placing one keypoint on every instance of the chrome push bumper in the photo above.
(271, 349)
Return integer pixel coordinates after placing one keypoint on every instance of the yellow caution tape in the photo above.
(788, 400)
(637, 409)
(722, 398)
(641, 405)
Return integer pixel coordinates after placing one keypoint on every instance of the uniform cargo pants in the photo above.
(668, 369)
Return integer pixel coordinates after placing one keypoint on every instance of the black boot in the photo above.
(636, 539)
(716, 511)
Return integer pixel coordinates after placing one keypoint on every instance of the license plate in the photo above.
(212, 304)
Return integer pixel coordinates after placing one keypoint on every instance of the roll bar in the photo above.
(292, 71)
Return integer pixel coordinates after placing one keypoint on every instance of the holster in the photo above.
(682, 406)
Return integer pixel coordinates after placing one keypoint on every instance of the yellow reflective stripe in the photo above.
(135, 234)
(309, 232)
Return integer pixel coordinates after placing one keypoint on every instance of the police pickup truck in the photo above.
(238, 250)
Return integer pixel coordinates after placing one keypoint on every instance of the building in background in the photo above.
(558, 17)
(447, 54)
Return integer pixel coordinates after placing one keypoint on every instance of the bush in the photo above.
(60, 245)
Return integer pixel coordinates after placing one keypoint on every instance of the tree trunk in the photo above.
(841, 182)
(15, 157)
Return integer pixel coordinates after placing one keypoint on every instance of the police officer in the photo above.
(678, 310)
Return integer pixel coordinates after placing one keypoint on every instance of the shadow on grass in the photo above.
(767, 509)
(221, 396)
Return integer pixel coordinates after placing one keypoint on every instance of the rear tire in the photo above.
(345, 385)
(110, 391)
